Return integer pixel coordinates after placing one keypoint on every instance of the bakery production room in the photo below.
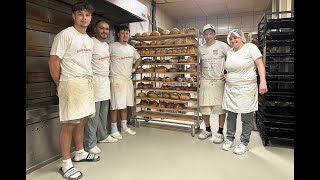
(210, 94)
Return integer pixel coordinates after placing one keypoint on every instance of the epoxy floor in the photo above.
(162, 154)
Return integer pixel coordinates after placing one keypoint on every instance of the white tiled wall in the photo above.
(247, 22)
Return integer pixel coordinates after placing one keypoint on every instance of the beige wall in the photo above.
(163, 21)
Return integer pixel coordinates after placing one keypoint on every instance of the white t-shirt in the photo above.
(212, 59)
(100, 58)
(240, 64)
(100, 66)
(122, 57)
(75, 51)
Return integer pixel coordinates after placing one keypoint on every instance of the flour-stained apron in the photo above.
(240, 96)
(122, 94)
(211, 92)
(76, 98)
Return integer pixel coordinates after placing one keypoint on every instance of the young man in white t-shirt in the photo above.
(96, 128)
(70, 69)
(212, 57)
(124, 59)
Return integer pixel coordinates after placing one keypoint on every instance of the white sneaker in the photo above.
(204, 134)
(116, 135)
(95, 150)
(227, 145)
(240, 149)
(129, 131)
(218, 138)
(109, 139)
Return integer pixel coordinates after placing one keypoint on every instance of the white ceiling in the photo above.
(195, 8)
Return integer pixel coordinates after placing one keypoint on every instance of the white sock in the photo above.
(114, 128)
(81, 154)
(67, 164)
(124, 124)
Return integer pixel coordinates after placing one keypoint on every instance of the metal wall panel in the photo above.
(42, 143)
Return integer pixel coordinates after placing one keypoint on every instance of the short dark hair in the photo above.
(82, 5)
(124, 28)
(96, 25)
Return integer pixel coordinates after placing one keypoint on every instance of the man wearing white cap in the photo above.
(212, 57)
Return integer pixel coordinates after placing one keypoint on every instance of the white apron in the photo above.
(76, 98)
(240, 96)
(101, 88)
(211, 92)
(122, 94)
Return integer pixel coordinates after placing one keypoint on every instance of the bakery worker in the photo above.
(241, 88)
(96, 127)
(70, 69)
(124, 59)
(212, 57)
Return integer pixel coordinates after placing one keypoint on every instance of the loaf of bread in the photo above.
(178, 106)
(165, 32)
(179, 41)
(191, 59)
(174, 96)
(162, 104)
(153, 103)
(145, 34)
(140, 85)
(149, 69)
(139, 70)
(141, 94)
(169, 105)
(185, 96)
(175, 31)
(166, 95)
(137, 35)
(192, 50)
(160, 69)
(144, 102)
(154, 33)
(157, 78)
(173, 69)
(147, 86)
(152, 94)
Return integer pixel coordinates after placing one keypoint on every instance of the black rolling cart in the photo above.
(276, 116)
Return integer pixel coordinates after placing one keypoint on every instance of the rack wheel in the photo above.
(193, 130)
(146, 119)
(266, 142)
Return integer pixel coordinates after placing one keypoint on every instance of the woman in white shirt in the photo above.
(241, 89)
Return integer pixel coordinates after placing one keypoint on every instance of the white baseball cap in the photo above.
(208, 26)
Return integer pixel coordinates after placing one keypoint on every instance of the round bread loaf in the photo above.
(145, 34)
(154, 33)
(141, 94)
(175, 31)
(137, 35)
(165, 32)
